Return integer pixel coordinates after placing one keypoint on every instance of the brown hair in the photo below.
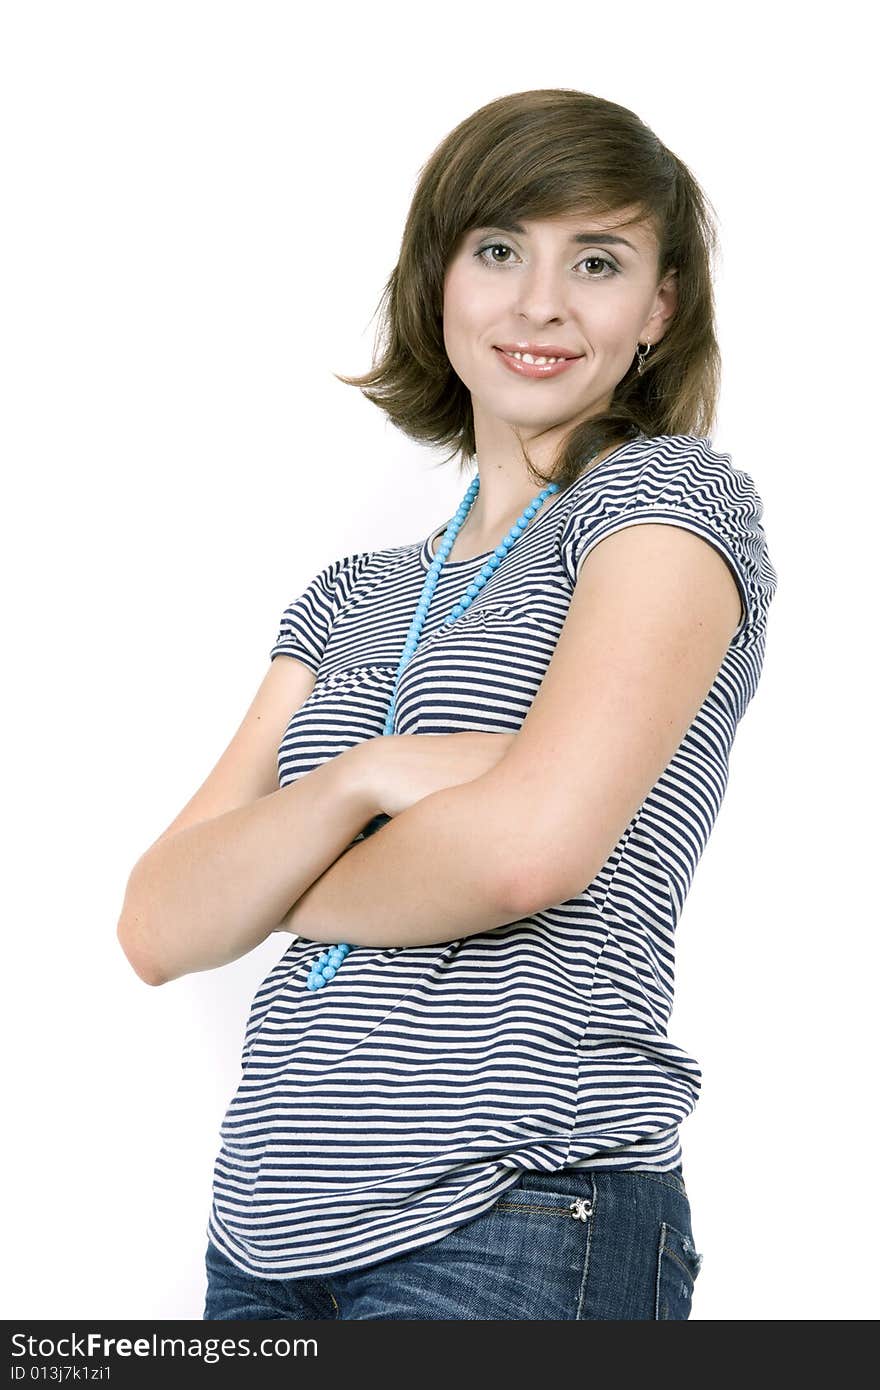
(528, 156)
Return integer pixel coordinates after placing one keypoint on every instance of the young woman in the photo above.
(484, 765)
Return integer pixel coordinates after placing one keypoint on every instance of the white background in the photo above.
(202, 203)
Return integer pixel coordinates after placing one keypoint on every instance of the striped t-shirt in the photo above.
(377, 1114)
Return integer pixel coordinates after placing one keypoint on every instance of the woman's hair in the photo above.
(529, 156)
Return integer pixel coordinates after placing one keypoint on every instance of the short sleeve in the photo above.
(308, 619)
(679, 480)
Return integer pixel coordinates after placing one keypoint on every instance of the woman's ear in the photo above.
(664, 307)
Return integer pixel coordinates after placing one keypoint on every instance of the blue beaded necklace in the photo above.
(326, 966)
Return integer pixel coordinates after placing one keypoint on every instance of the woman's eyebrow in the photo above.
(579, 238)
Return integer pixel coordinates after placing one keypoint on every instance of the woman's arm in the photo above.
(642, 645)
(210, 893)
(434, 873)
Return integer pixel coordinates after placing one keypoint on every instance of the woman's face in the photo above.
(561, 282)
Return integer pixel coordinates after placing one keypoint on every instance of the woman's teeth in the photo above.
(538, 361)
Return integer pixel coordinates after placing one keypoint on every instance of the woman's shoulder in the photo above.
(670, 450)
(649, 465)
(351, 567)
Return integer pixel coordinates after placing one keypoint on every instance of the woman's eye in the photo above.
(494, 246)
(610, 267)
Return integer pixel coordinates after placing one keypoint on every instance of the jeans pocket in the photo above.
(678, 1265)
(525, 1258)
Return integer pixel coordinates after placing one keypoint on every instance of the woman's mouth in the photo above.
(535, 370)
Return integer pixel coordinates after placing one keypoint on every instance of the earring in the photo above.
(642, 355)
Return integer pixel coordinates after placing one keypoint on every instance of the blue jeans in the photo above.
(574, 1244)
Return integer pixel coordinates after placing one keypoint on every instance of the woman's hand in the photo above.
(403, 768)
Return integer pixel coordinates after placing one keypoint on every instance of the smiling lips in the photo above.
(536, 370)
